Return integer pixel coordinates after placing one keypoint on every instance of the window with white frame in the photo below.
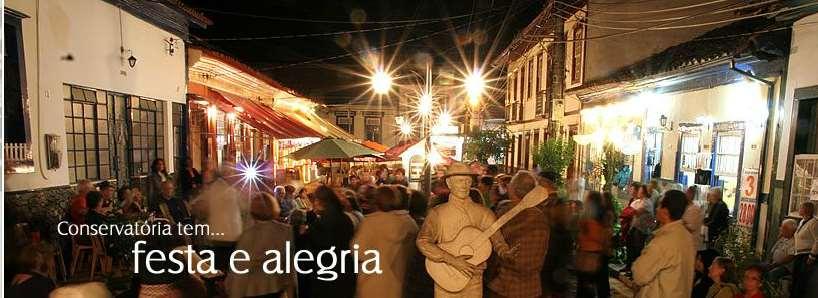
(346, 122)
(728, 152)
(804, 182)
(373, 129)
(690, 151)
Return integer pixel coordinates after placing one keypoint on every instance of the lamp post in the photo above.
(474, 84)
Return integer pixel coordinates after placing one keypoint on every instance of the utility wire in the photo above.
(289, 19)
(584, 21)
(369, 49)
(319, 34)
(644, 11)
(675, 27)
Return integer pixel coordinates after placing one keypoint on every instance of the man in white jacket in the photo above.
(665, 268)
(221, 206)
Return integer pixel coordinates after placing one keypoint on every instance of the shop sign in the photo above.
(749, 184)
(746, 213)
(749, 193)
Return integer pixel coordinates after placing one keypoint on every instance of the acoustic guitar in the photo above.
(471, 241)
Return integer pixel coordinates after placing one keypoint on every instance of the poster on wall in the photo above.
(746, 213)
(749, 184)
(748, 195)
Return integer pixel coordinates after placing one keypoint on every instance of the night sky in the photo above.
(476, 23)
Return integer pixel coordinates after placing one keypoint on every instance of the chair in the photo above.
(99, 254)
(78, 252)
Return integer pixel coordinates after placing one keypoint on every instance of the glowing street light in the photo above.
(406, 128)
(425, 104)
(381, 82)
(444, 119)
(475, 85)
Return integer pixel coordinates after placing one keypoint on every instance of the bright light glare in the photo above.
(406, 128)
(211, 111)
(475, 85)
(425, 104)
(250, 174)
(444, 120)
(381, 82)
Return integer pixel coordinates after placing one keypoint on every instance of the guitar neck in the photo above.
(536, 196)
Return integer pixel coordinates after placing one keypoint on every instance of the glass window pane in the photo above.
(77, 109)
(89, 126)
(79, 143)
(78, 126)
(67, 108)
(90, 142)
(90, 95)
(102, 126)
(103, 142)
(91, 157)
(92, 172)
(72, 175)
(89, 110)
(80, 173)
(104, 157)
(70, 141)
(79, 158)
(69, 125)
(105, 172)
(77, 94)
(71, 159)
(102, 112)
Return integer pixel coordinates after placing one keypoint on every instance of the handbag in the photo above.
(587, 261)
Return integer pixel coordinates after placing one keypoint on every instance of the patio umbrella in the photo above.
(333, 149)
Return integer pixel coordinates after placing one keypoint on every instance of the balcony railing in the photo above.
(17, 152)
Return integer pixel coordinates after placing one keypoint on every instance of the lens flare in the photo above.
(381, 82)
(475, 85)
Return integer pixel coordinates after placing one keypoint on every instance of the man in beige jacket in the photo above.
(665, 268)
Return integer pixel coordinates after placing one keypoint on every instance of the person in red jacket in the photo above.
(78, 207)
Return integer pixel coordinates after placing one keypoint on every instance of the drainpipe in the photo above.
(763, 157)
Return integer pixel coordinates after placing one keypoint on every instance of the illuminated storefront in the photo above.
(239, 115)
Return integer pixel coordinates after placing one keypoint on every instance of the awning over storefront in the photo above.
(375, 146)
(259, 116)
(303, 111)
(271, 117)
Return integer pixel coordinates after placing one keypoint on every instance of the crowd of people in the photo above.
(556, 248)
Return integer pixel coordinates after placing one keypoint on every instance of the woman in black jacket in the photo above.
(333, 229)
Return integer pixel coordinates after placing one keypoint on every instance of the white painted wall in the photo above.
(800, 73)
(89, 31)
(744, 101)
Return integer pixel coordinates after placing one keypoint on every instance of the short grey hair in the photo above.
(522, 183)
(789, 222)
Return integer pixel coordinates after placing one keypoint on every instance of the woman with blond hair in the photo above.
(392, 232)
(266, 234)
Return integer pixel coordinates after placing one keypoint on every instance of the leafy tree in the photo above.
(611, 163)
(482, 144)
(554, 155)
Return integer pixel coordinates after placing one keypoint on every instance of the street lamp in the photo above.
(475, 84)
(425, 104)
(381, 82)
